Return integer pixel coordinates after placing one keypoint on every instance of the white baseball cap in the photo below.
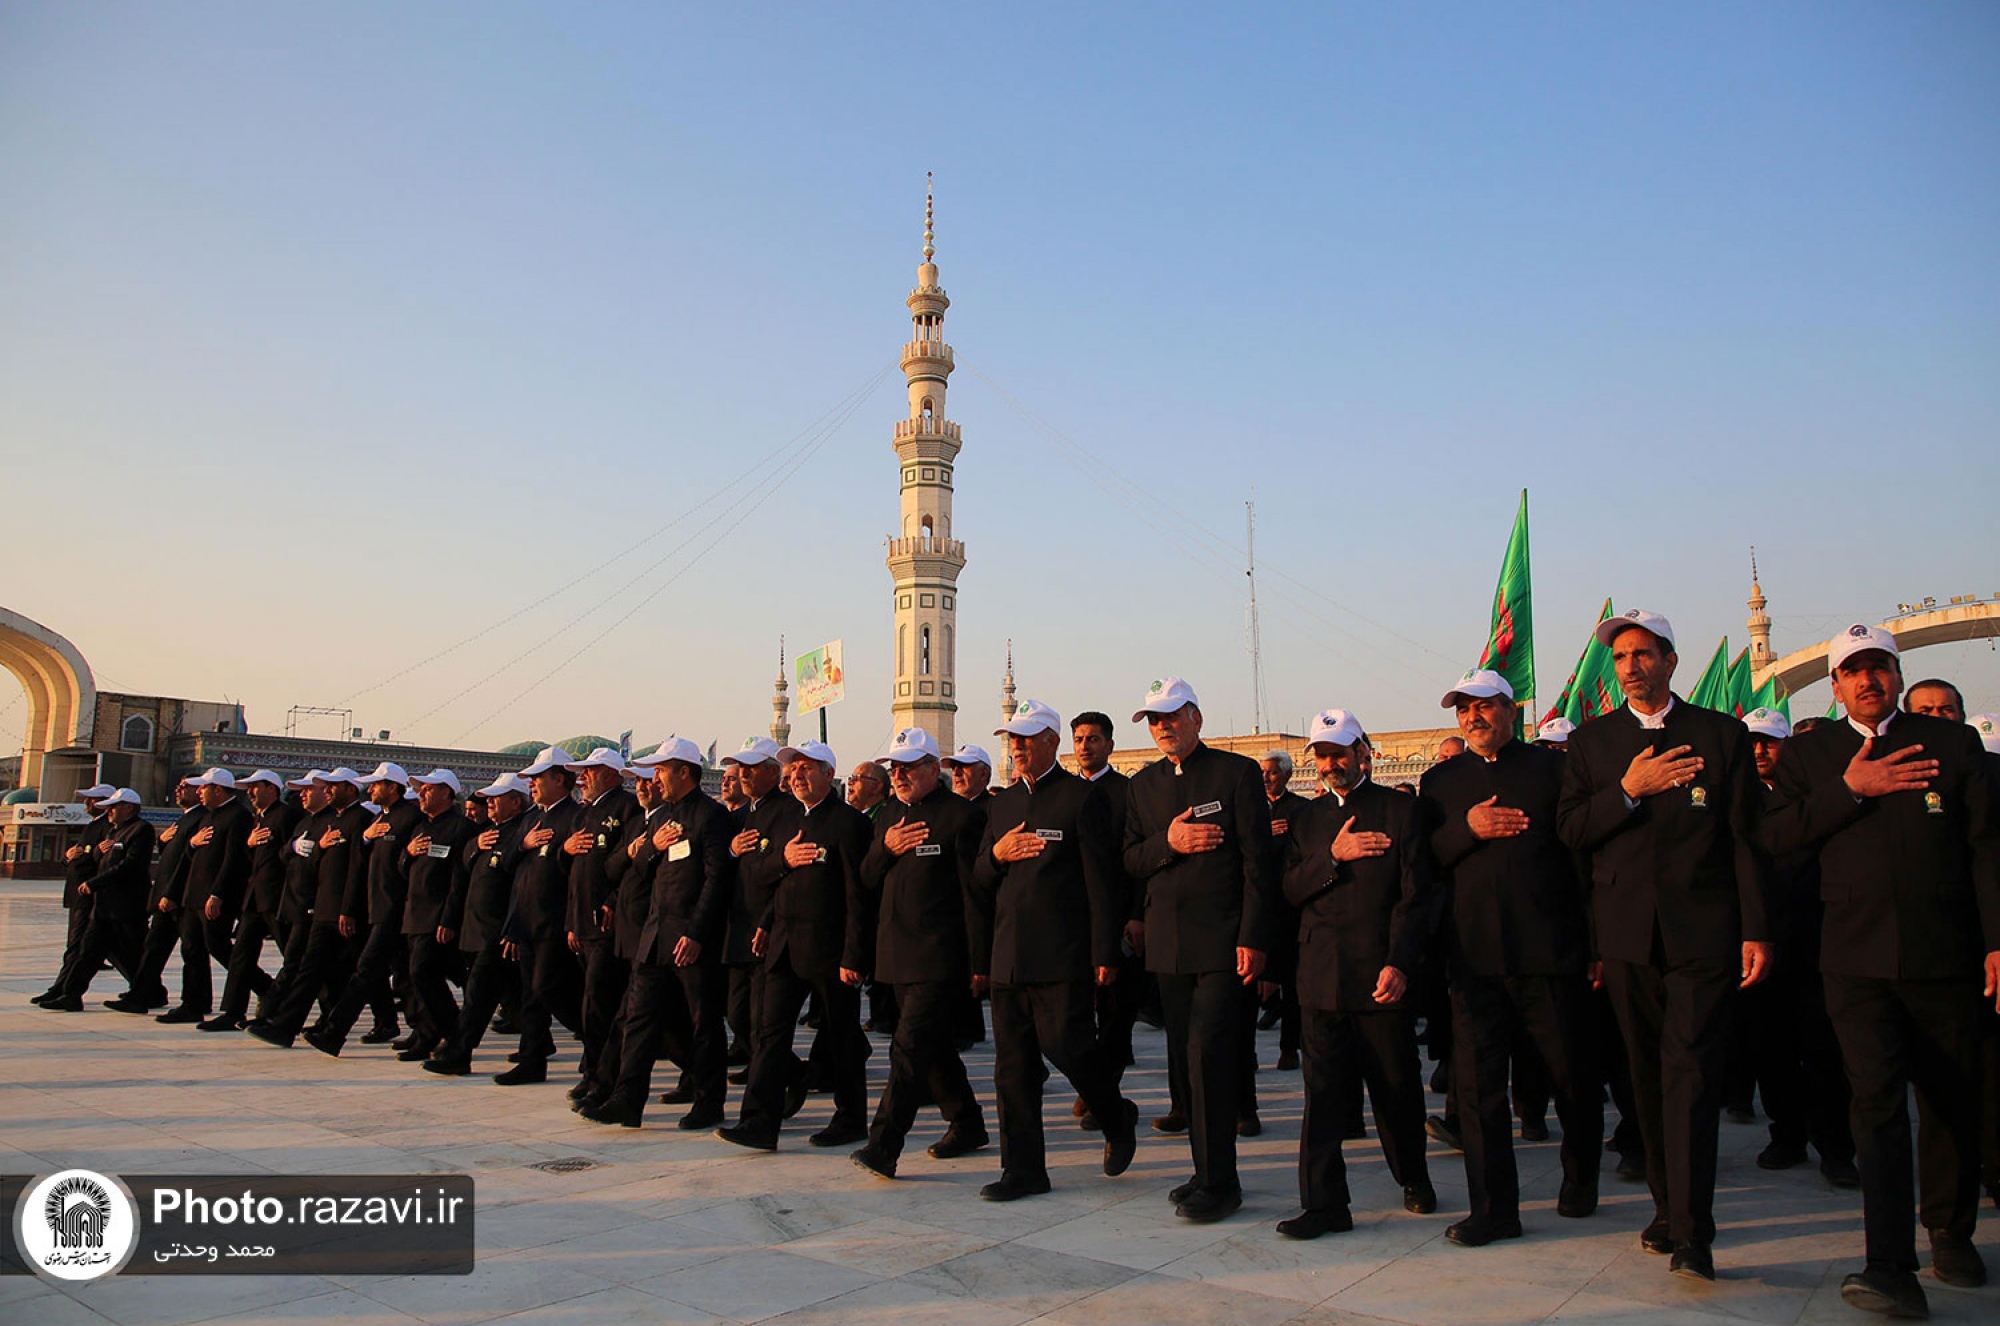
(262, 776)
(809, 750)
(1478, 683)
(96, 791)
(213, 778)
(386, 772)
(1168, 695)
(604, 757)
(341, 775)
(441, 778)
(755, 750)
(1030, 718)
(968, 754)
(119, 796)
(1769, 723)
(1858, 639)
(673, 748)
(505, 783)
(1608, 629)
(547, 758)
(308, 778)
(912, 744)
(1334, 727)
(1556, 731)
(1988, 728)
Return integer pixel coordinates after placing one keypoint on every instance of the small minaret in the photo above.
(924, 559)
(781, 727)
(1761, 658)
(1007, 702)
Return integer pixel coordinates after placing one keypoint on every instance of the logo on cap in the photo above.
(1156, 687)
(1857, 630)
(1985, 727)
(1633, 613)
(1025, 707)
(748, 742)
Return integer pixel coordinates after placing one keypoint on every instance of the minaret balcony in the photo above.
(919, 429)
(935, 352)
(923, 557)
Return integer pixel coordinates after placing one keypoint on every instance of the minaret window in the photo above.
(924, 651)
(927, 532)
(927, 414)
(902, 650)
(950, 666)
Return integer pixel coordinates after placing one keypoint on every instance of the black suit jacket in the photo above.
(302, 865)
(1684, 863)
(1200, 909)
(488, 886)
(818, 917)
(1053, 917)
(78, 870)
(170, 870)
(686, 887)
(1515, 906)
(633, 897)
(919, 897)
(1911, 881)
(220, 868)
(541, 879)
(437, 880)
(123, 871)
(343, 867)
(387, 876)
(594, 874)
(1357, 917)
(270, 859)
(757, 870)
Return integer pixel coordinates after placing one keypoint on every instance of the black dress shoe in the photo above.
(1269, 1018)
(1180, 1192)
(175, 1016)
(1171, 1122)
(1206, 1205)
(589, 1100)
(324, 1042)
(1249, 1126)
(1420, 1199)
(958, 1142)
(743, 1137)
(381, 1035)
(614, 1112)
(1312, 1224)
(739, 1076)
(1577, 1200)
(699, 1120)
(1534, 1130)
(1781, 1155)
(683, 1094)
(839, 1134)
(1443, 1132)
(1288, 1061)
(408, 1042)
(269, 1034)
(795, 1097)
(65, 1004)
(221, 1022)
(45, 996)
(1013, 1187)
(1632, 1166)
(1655, 1239)
(522, 1075)
(1692, 1261)
(879, 1163)
(1122, 1144)
(580, 1090)
(1957, 1262)
(1478, 1231)
(1840, 1173)
(446, 1064)
(1892, 1293)
(416, 1054)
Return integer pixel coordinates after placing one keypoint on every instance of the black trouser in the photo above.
(1547, 1016)
(163, 935)
(551, 986)
(381, 953)
(113, 939)
(1989, 1128)
(490, 981)
(882, 1010)
(676, 1011)
(79, 922)
(742, 1014)
(924, 1065)
(201, 940)
(326, 960)
(604, 974)
(1339, 1051)
(1895, 1035)
(1796, 1059)
(432, 1010)
(773, 1066)
(1204, 1019)
(1050, 1021)
(245, 976)
(1675, 1020)
(1117, 1012)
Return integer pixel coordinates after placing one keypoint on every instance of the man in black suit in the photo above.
(674, 999)
(1198, 846)
(917, 870)
(1660, 797)
(1359, 871)
(383, 884)
(1281, 1004)
(339, 911)
(595, 866)
(162, 925)
(1988, 728)
(813, 939)
(116, 890)
(1091, 742)
(79, 864)
(1518, 946)
(767, 805)
(537, 926)
(436, 860)
(487, 892)
(1901, 812)
(1045, 916)
(210, 892)
(272, 820)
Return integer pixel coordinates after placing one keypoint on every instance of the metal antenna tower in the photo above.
(1256, 632)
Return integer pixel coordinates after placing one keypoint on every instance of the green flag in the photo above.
(1594, 688)
(1772, 695)
(1510, 640)
(1740, 690)
(1564, 701)
(1711, 689)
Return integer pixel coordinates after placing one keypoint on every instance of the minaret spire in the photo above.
(1007, 702)
(1759, 624)
(930, 184)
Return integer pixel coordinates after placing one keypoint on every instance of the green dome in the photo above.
(522, 748)
(584, 745)
(21, 796)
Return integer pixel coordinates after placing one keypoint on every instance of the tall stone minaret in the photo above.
(1007, 703)
(1761, 657)
(923, 557)
(781, 726)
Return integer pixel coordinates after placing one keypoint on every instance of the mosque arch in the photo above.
(62, 695)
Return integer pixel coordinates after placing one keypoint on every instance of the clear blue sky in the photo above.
(335, 334)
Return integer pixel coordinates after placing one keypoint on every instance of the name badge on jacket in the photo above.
(1049, 835)
(680, 851)
(1208, 808)
(930, 849)
(439, 851)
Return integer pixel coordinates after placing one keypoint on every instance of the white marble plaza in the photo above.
(671, 1228)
